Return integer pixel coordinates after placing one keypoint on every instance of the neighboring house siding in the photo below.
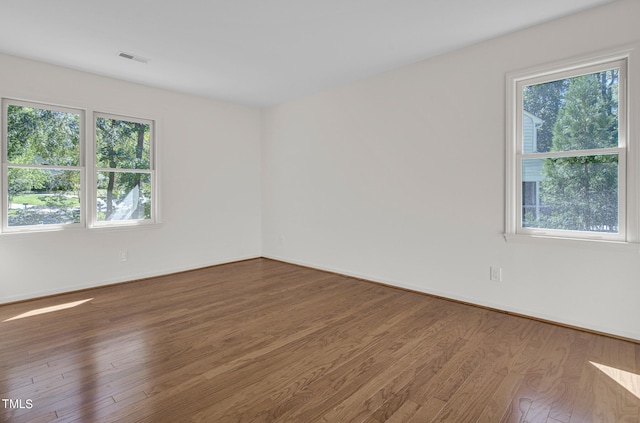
(531, 169)
(528, 133)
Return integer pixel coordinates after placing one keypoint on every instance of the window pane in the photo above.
(578, 113)
(575, 193)
(530, 200)
(43, 197)
(43, 137)
(123, 196)
(122, 145)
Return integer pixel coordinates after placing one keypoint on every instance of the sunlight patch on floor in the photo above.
(629, 381)
(51, 309)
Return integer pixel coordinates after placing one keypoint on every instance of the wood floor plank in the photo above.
(498, 405)
(405, 413)
(428, 411)
(439, 378)
(468, 391)
(322, 345)
(265, 341)
(321, 360)
(549, 387)
(564, 400)
(384, 394)
(346, 380)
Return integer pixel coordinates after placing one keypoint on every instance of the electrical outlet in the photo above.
(123, 255)
(496, 273)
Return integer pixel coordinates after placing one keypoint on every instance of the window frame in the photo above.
(87, 166)
(628, 158)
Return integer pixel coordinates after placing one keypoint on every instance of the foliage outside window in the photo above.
(567, 165)
(45, 175)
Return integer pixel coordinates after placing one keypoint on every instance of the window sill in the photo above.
(79, 229)
(631, 247)
(125, 227)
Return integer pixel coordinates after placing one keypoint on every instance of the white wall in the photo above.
(400, 179)
(210, 188)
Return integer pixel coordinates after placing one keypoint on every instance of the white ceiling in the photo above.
(258, 52)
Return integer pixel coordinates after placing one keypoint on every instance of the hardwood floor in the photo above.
(263, 341)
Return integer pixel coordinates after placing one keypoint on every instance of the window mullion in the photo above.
(90, 163)
(573, 153)
(121, 169)
(49, 167)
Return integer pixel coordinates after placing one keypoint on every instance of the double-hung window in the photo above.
(124, 171)
(568, 162)
(71, 168)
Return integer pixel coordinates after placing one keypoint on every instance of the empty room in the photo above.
(320, 211)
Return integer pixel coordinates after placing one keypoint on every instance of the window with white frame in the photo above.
(56, 174)
(124, 171)
(568, 164)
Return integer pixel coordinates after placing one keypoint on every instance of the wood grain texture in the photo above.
(265, 341)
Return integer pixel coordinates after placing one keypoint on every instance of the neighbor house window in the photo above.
(568, 153)
(51, 181)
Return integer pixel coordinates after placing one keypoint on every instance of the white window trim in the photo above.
(629, 158)
(88, 197)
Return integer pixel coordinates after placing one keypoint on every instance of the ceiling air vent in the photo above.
(133, 57)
